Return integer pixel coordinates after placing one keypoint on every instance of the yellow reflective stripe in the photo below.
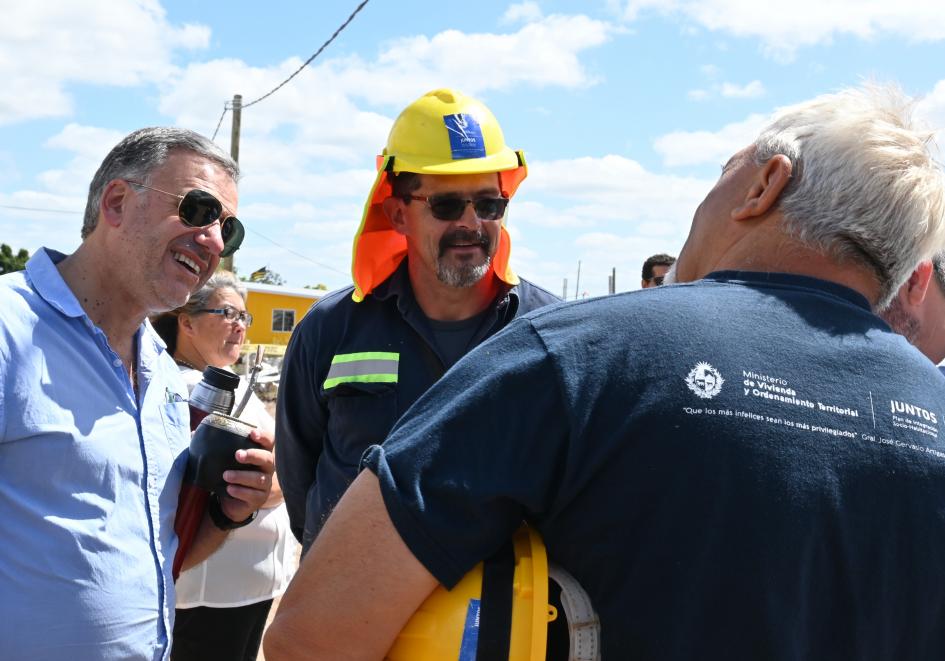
(365, 355)
(363, 367)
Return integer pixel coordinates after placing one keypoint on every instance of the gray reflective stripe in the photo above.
(365, 367)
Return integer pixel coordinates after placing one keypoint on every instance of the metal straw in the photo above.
(253, 373)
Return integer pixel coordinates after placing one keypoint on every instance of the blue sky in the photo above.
(626, 109)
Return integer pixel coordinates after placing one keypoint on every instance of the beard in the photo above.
(900, 320)
(465, 273)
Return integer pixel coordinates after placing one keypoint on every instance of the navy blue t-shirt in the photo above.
(746, 467)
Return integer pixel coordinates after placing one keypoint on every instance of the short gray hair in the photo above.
(166, 323)
(938, 266)
(864, 184)
(142, 152)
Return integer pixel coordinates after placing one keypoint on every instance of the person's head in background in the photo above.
(918, 310)
(655, 269)
(211, 327)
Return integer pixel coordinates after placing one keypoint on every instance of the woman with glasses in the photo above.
(223, 602)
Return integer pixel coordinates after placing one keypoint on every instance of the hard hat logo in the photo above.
(466, 139)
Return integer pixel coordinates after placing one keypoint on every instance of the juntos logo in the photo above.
(909, 409)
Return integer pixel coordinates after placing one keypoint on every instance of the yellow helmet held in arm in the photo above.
(444, 132)
(501, 611)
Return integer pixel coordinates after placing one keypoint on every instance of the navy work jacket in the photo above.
(350, 371)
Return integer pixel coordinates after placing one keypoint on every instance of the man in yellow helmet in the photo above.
(431, 281)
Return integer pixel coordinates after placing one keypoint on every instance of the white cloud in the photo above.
(625, 213)
(931, 111)
(709, 70)
(751, 90)
(542, 53)
(103, 42)
(785, 27)
(699, 147)
(523, 12)
(615, 188)
(728, 90)
(323, 118)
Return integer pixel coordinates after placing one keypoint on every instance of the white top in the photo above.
(256, 562)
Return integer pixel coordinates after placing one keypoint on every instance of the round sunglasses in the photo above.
(198, 208)
(450, 207)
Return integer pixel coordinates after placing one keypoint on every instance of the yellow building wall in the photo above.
(261, 306)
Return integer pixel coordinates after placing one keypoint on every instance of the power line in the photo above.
(226, 106)
(316, 54)
(10, 206)
(260, 234)
(298, 254)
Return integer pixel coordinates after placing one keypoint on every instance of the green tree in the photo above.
(319, 286)
(10, 262)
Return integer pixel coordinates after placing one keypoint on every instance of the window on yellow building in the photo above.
(283, 321)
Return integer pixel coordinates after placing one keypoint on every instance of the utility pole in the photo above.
(227, 262)
(577, 284)
(612, 281)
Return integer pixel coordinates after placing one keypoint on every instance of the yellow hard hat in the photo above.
(443, 132)
(475, 619)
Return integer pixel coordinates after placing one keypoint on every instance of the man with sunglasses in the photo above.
(655, 269)
(431, 281)
(94, 421)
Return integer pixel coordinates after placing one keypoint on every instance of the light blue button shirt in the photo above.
(89, 480)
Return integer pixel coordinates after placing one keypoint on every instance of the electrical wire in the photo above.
(308, 61)
(227, 106)
(10, 206)
(298, 254)
(259, 234)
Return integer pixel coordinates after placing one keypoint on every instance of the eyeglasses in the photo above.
(198, 208)
(657, 280)
(448, 207)
(231, 314)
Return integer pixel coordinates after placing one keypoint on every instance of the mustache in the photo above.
(465, 237)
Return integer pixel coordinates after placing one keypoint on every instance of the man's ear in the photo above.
(115, 201)
(394, 208)
(916, 287)
(766, 188)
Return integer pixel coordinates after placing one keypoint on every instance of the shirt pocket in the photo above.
(175, 415)
(359, 415)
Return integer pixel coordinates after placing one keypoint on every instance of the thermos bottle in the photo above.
(214, 394)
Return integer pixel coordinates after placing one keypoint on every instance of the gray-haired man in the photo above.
(94, 423)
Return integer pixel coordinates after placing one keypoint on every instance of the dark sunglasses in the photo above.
(198, 208)
(231, 314)
(657, 280)
(449, 207)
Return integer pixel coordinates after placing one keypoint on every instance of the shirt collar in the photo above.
(791, 280)
(48, 283)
